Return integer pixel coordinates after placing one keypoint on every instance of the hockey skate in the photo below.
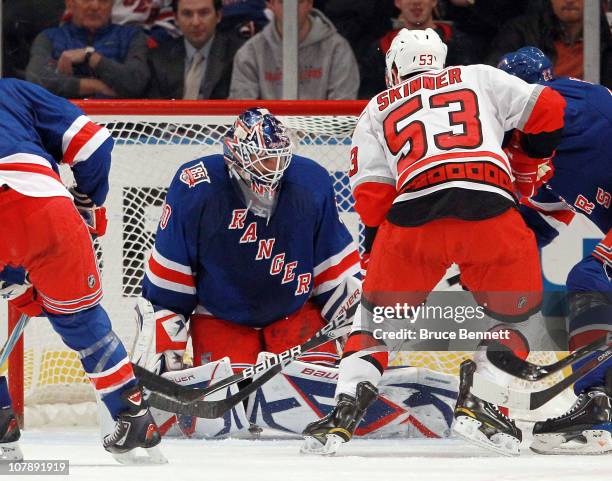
(9, 436)
(585, 429)
(481, 422)
(135, 428)
(325, 435)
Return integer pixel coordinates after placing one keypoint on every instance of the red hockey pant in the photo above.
(214, 338)
(498, 259)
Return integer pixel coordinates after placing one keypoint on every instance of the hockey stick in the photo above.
(13, 338)
(508, 397)
(169, 396)
(506, 360)
(274, 364)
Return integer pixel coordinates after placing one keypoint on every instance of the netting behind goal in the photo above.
(152, 139)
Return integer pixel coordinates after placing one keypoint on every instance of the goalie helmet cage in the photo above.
(152, 139)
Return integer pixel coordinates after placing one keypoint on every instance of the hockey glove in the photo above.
(94, 216)
(603, 253)
(17, 290)
(529, 173)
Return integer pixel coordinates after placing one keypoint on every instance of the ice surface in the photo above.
(271, 460)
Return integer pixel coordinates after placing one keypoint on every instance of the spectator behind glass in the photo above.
(414, 15)
(480, 20)
(557, 31)
(21, 21)
(327, 68)
(154, 16)
(245, 17)
(199, 64)
(361, 22)
(89, 56)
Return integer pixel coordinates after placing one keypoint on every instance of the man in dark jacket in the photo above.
(89, 56)
(198, 65)
(557, 31)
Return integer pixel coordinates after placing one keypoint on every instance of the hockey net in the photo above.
(152, 139)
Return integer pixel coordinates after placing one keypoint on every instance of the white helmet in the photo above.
(414, 51)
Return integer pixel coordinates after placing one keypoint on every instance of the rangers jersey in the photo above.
(39, 131)
(430, 147)
(582, 181)
(214, 256)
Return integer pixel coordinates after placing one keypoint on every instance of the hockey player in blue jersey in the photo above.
(43, 235)
(250, 250)
(582, 183)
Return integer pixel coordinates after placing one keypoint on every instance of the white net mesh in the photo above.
(148, 152)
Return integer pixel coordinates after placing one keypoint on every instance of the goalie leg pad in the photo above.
(102, 354)
(232, 421)
(413, 402)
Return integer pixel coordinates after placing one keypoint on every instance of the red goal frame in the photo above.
(173, 107)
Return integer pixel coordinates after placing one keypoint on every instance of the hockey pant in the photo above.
(214, 338)
(499, 263)
(48, 238)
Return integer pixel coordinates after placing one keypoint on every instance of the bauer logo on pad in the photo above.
(194, 175)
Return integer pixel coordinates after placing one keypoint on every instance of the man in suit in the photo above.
(198, 65)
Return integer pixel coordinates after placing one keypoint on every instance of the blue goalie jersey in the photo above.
(582, 180)
(213, 256)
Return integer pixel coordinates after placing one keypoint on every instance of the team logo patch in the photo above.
(522, 302)
(195, 175)
(91, 281)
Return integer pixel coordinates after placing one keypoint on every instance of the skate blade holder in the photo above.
(596, 442)
(312, 446)
(135, 457)
(10, 452)
(469, 429)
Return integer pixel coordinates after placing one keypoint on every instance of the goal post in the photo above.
(152, 139)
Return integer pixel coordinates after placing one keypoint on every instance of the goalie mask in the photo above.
(258, 150)
(413, 51)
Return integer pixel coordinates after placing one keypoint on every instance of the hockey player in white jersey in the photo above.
(42, 233)
(434, 187)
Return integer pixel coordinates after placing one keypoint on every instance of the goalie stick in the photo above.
(511, 398)
(169, 396)
(168, 390)
(505, 360)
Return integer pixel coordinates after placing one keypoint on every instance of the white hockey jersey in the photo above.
(434, 142)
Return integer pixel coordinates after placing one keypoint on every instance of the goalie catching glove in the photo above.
(93, 215)
(161, 338)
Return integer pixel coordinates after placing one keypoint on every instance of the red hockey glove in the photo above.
(529, 173)
(94, 216)
(26, 303)
(21, 296)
